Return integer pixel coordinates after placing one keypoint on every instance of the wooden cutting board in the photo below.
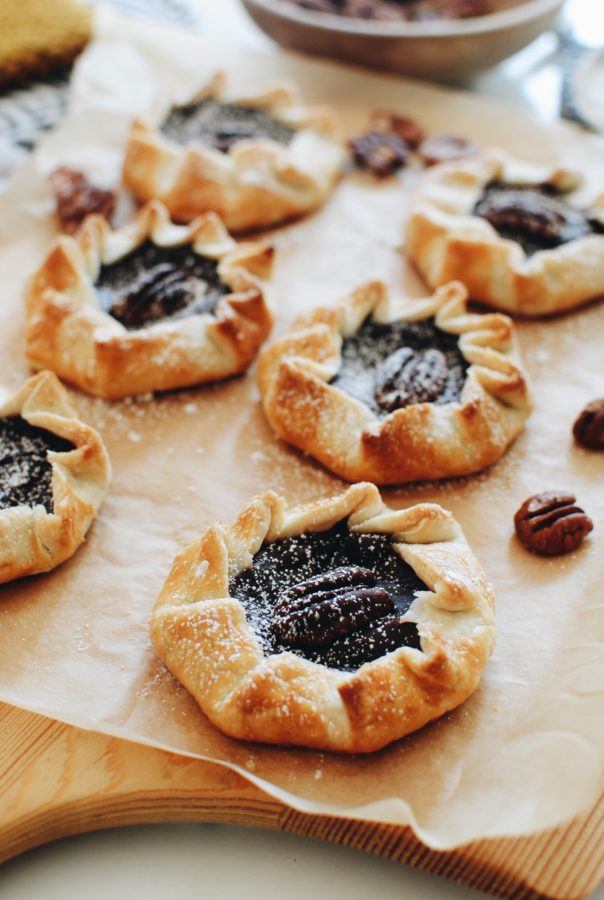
(57, 780)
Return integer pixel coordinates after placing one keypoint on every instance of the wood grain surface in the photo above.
(57, 780)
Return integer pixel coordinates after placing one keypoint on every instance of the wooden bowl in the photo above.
(438, 50)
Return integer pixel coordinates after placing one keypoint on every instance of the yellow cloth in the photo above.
(40, 36)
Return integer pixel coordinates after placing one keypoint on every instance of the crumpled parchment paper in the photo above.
(526, 750)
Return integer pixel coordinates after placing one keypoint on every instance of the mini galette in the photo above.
(341, 625)
(391, 391)
(149, 307)
(516, 234)
(256, 158)
(54, 473)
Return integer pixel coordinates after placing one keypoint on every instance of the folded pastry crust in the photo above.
(421, 440)
(33, 540)
(202, 634)
(68, 332)
(446, 240)
(257, 182)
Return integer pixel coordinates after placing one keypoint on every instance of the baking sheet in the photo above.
(526, 751)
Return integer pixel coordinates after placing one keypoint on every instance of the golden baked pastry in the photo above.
(148, 307)
(54, 473)
(40, 36)
(255, 158)
(512, 232)
(391, 391)
(341, 625)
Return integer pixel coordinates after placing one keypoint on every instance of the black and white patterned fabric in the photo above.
(177, 12)
(25, 114)
(30, 109)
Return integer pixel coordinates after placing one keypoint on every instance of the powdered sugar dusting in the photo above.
(284, 563)
(364, 353)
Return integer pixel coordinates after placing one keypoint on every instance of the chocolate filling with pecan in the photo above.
(535, 219)
(333, 597)
(223, 124)
(389, 366)
(25, 470)
(154, 283)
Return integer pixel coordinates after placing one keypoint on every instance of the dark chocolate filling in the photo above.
(223, 124)
(368, 358)
(25, 470)
(154, 283)
(536, 219)
(283, 564)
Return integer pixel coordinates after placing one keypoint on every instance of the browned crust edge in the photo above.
(256, 184)
(69, 333)
(201, 633)
(419, 441)
(31, 539)
(445, 241)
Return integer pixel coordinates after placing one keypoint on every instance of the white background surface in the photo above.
(218, 862)
(214, 862)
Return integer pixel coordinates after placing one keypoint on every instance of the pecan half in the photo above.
(440, 148)
(409, 376)
(380, 152)
(77, 198)
(533, 215)
(550, 523)
(407, 129)
(588, 430)
(320, 610)
(159, 292)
